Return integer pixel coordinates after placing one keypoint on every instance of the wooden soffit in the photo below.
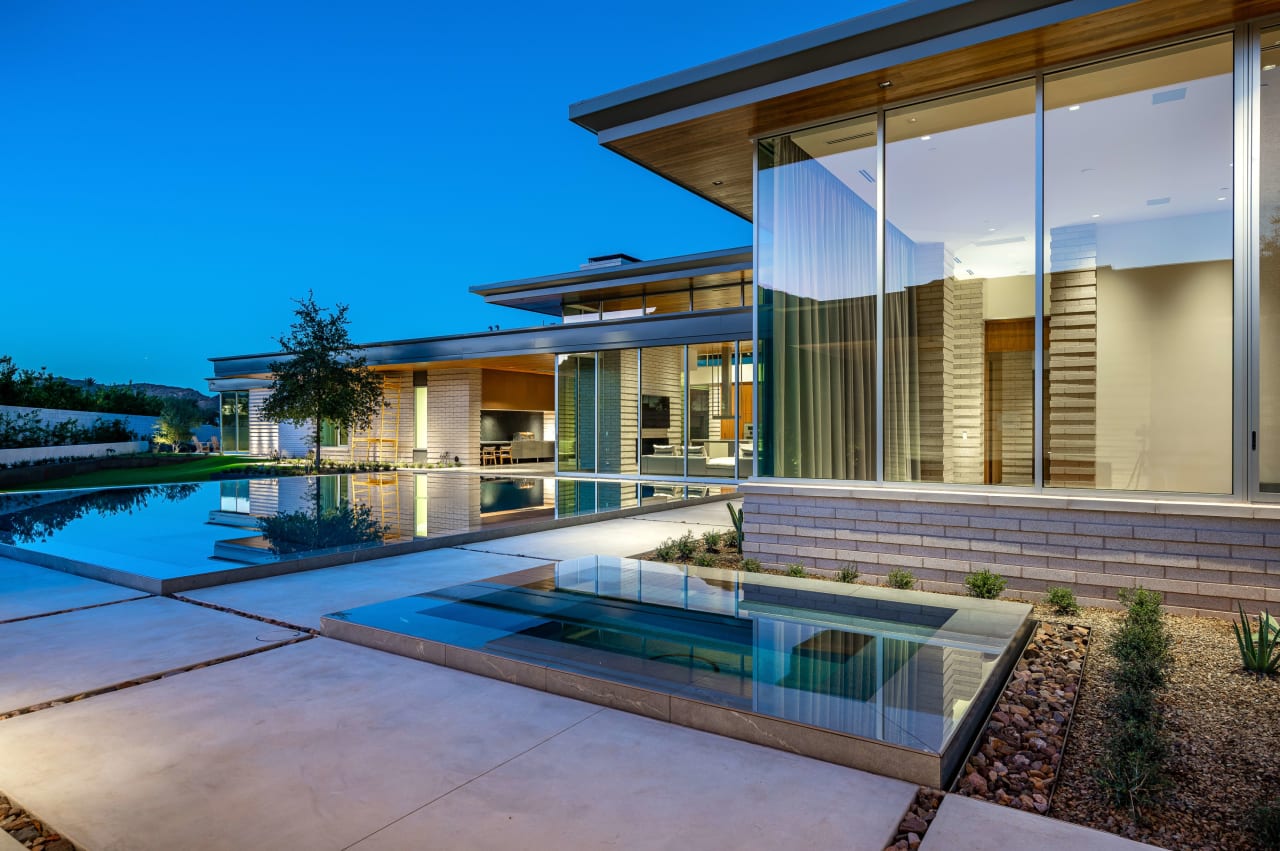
(711, 155)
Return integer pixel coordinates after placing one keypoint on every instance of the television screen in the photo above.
(655, 412)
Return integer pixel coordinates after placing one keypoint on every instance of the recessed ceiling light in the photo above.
(886, 84)
(925, 138)
(991, 230)
(717, 183)
(913, 120)
(1095, 215)
(1073, 107)
(1268, 67)
(1222, 198)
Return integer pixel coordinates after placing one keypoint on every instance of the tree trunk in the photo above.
(318, 418)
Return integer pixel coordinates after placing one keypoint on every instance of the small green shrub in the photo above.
(1264, 821)
(985, 584)
(1135, 747)
(704, 560)
(796, 570)
(1063, 601)
(666, 551)
(712, 540)
(901, 579)
(751, 565)
(685, 546)
(848, 573)
(1259, 651)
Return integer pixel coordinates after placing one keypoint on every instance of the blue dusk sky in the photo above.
(174, 173)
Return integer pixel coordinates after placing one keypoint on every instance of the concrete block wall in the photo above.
(453, 414)
(1203, 557)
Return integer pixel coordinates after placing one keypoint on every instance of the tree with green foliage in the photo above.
(178, 421)
(322, 376)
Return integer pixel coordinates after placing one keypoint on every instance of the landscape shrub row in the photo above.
(23, 431)
(1131, 769)
(38, 388)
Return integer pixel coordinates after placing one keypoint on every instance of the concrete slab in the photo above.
(8, 843)
(312, 746)
(301, 598)
(68, 654)
(27, 590)
(619, 780)
(710, 514)
(623, 537)
(967, 824)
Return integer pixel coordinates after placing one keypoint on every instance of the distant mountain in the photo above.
(206, 402)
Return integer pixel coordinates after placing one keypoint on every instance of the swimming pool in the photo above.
(167, 538)
(893, 681)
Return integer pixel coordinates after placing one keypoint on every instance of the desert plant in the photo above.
(796, 570)
(735, 514)
(751, 565)
(712, 540)
(848, 573)
(686, 546)
(1264, 821)
(901, 579)
(666, 551)
(729, 540)
(704, 560)
(984, 584)
(1260, 651)
(1062, 600)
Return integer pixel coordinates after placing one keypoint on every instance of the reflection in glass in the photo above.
(816, 249)
(959, 308)
(619, 400)
(662, 400)
(667, 302)
(234, 409)
(576, 412)
(713, 298)
(713, 418)
(1269, 269)
(1138, 219)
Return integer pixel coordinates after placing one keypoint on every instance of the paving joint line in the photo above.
(230, 611)
(147, 678)
(77, 609)
(487, 771)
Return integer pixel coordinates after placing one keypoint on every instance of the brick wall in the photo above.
(453, 414)
(1203, 557)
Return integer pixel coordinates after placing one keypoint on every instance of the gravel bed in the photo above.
(29, 830)
(916, 822)
(1020, 749)
(1224, 731)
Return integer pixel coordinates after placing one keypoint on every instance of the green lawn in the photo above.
(198, 469)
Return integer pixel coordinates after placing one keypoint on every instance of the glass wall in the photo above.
(817, 284)
(1139, 274)
(1268, 327)
(713, 410)
(234, 418)
(662, 406)
(618, 403)
(576, 412)
(1137, 308)
(959, 285)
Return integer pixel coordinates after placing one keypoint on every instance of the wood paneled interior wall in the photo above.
(501, 390)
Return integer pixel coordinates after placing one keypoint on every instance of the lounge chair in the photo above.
(199, 446)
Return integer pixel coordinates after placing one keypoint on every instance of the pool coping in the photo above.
(852, 751)
(246, 573)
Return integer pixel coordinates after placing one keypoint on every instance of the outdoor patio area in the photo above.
(263, 734)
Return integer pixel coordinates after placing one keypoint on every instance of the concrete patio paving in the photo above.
(320, 745)
(326, 745)
(27, 590)
(67, 654)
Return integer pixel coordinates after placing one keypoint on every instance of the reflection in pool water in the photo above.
(179, 530)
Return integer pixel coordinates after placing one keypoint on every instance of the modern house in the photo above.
(1014, 302)
(647, 372)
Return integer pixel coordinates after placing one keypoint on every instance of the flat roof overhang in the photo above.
(707, 326)
(696, 127)
(546, 294)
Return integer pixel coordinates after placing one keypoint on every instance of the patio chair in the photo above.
(488, 455)
(200, 446)
(504, 454)
(214, 444)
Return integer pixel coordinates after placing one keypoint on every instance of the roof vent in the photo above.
(608, 260)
